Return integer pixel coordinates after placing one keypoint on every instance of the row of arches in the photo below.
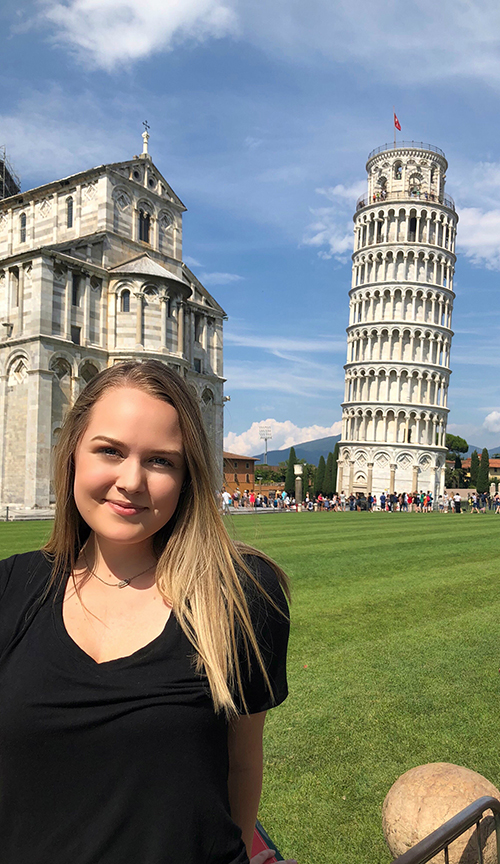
(406, 225)
(396, 385)
(403, 266)
(394, 427)
(403, 304)
(366, 456)
(402, 346)
(68, 376)
(141, 218)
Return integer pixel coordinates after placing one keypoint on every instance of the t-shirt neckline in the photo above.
(80, 654)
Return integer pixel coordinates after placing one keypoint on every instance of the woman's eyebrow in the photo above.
(116, 443)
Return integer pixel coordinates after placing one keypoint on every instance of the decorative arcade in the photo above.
(399, 334)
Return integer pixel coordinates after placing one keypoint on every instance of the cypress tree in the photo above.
(474, 468)
(319, 480)
(328, 484)
(483, 476)
(290, 476)
(335, 467)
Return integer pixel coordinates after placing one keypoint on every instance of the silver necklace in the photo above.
(123, 582)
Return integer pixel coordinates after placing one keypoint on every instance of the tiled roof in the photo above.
(146, 266)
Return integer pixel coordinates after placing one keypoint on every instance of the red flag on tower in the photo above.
(397, 123)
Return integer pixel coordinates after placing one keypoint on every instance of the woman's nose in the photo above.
(131, 476)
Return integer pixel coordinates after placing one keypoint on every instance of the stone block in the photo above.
(425, 797)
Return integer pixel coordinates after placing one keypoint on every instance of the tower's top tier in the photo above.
(410, 169)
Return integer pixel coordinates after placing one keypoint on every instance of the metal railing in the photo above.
(442, 837)
(405, 145)
(422, 197)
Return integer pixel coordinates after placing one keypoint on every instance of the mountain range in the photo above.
(312, 450)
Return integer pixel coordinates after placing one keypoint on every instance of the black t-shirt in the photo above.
(123, 762)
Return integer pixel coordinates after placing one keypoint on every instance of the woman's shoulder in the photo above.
(269, 583)
(23, 575)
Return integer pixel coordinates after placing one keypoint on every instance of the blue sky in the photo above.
(262, 114)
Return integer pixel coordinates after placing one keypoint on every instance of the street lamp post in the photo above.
(298, 468)
(265, 432)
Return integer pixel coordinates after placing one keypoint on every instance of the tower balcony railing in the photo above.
(407, 145)
(419, 195)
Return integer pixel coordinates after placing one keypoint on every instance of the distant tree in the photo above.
(335, 466)
(319, 480)
(452, 478)
(328, 484)
(474, 468)
(455, 444)
(458, 472)
(290, 476)
(483, 475)
(269, 475)
(307, 477)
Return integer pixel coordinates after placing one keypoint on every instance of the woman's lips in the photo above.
(124, 509)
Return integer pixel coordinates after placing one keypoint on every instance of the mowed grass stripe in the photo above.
(396, 618)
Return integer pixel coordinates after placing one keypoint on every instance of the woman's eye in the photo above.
(161, 461)
(109, 451)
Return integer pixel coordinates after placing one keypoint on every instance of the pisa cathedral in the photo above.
(397, 373)
(91, 274)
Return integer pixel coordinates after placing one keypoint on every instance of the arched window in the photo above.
(125, 300)
(144, 225)
(398, 171)
(22, 228)
(69, 213)
(88, 371)
(412, 228)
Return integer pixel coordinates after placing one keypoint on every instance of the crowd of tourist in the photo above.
(403, 502)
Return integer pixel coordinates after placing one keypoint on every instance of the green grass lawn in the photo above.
(393, 662)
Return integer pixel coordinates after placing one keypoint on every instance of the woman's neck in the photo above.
(122, 560)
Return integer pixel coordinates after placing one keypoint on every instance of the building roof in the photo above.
(494, 463)
(146, 266)
(227, 455)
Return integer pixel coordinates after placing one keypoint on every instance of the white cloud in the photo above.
(346, 193)
(478, 236)
(390, 38)
(492, 421)
(296, 378)
(191, 262)
(57, 134)
(111, 33)
(277, 344)
(219, 278)
(332, 226)
(285, 434)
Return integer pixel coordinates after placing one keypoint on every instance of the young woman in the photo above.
(139, 651)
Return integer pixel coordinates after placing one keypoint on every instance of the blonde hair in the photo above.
(200, 570)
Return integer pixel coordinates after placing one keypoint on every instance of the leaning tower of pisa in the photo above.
(399, 334)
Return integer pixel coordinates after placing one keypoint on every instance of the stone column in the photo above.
(415, 479)
(351, 475)
(164, 310)
(370, 476)
(67, 304)
(86, 310)
(139, 319)
(20, 305)
(340, 476)
(392, 481)
(180, 327)
(38, 439)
